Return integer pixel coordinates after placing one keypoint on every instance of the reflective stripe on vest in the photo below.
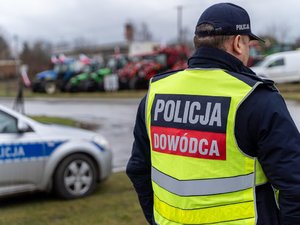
(199, 175)
(202, 187)
(232, 214)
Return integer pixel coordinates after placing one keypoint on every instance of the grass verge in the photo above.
(9, 89)
(65, 121)
(58, 120)
(290, 91)
(114, 203)
(108, 95)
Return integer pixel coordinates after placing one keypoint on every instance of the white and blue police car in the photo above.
(45, 157)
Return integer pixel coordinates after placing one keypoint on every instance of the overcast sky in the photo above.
(102, 21)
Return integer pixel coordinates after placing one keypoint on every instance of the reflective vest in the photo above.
(199, 174)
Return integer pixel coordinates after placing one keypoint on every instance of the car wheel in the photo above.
(75, 177)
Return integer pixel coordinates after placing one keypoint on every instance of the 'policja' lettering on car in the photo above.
(11, 152)
(192, 126)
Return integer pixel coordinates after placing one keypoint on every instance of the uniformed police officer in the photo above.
(215, 144)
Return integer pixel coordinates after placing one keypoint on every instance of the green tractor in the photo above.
(89, 82)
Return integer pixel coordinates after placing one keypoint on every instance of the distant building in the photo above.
(9, 68)
(142, 47)
(106, 50)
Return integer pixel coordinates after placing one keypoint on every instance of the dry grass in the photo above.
(113, 203)
(10, 89)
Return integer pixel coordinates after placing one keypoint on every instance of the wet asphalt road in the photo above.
(115, 118)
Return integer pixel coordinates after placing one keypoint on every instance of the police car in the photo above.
(45, 157)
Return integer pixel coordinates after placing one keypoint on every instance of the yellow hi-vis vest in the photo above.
(199, 174)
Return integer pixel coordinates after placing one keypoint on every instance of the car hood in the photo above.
(61, 131)
(257, 69)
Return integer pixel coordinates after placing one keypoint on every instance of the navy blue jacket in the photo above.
(263, 129)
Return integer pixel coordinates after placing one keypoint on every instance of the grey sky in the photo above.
(102, 21)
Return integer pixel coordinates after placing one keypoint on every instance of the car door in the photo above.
(21, 156)
(276, 69)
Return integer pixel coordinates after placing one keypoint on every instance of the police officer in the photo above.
(215, 144)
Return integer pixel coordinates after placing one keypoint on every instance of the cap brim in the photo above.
(254, 37)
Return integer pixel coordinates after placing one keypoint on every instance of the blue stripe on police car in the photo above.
(27, 150)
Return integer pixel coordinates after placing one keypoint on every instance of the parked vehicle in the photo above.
(280, 67)
(45, 157)
(141, 68)
(63, 70)
(126, 73)
(93, 80)
(147, 68)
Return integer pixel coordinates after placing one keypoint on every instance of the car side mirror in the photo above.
(23, 127)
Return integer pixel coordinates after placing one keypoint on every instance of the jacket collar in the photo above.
(206, 57)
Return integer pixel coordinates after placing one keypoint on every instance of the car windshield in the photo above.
(8, 124)
(260, 63)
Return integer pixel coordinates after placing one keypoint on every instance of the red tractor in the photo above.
(142, 68)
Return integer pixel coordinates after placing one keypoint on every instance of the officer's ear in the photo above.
(233, 46)
(237, 45)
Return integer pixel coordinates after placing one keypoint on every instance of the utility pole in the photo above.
(179, 23)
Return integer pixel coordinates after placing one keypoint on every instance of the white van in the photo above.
(280, 67)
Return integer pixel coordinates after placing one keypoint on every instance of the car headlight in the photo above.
(101, 142)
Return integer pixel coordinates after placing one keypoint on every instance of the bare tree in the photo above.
(186, 35)
(36, 56)
(5, 52)
(278, 32)
(141, 32)
(80, 43)
(145, 34)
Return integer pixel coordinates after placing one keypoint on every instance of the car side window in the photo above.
(8, 123)
(278, 62)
